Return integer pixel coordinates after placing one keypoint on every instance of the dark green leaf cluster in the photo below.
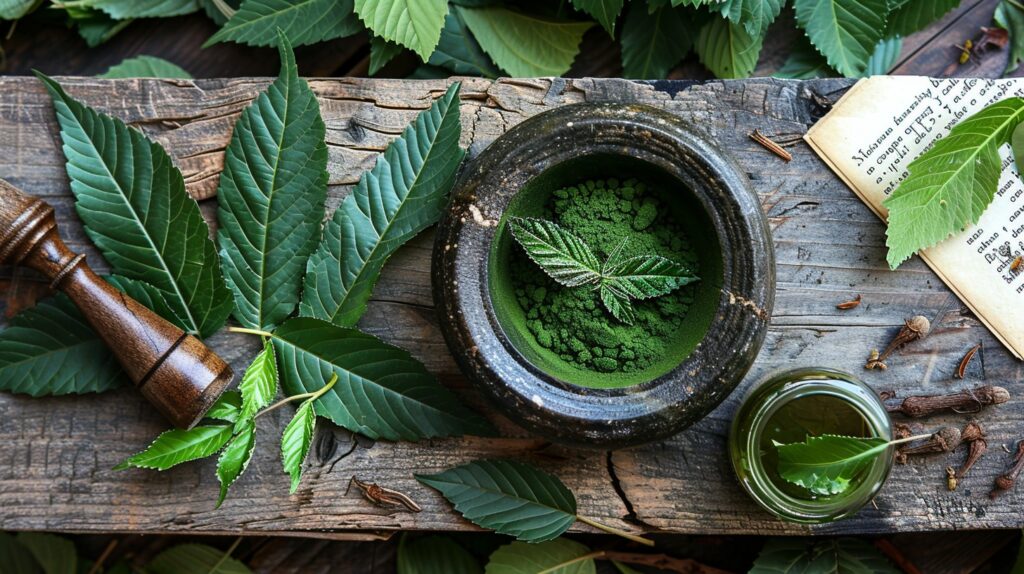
(469, 37)
(568, 260)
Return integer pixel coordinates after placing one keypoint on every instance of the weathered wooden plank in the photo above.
(54, 467)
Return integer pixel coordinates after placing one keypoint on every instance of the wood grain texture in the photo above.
(55, 464)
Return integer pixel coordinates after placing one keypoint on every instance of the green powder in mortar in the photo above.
(571, 322)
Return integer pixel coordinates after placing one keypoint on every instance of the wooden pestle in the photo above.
(175, 371)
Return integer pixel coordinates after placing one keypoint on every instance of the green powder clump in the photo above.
(571, 322)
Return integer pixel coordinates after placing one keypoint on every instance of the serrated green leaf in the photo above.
(54, 554)
(805, 63)
(562, 255)
(50, 349)
(303, 21)
(271, 197)
(415, 24)
(1011, 18)
(654, 42)
(617, 304)
(884, 57)
(382, 392)
(215, 13)
(94, 26)
(133, 203)
(235, 458)
(145, 67)
(646, 276)
(727, 49)
(227, 408)
(176, 446)
(459, 51)
(524, 45)
(560, 556)
(382, 52)
(826, 464)
(508, 497)
(195, 559)
(14, 9)
(754, 15)
(951, 184)
(402, 195)
(15, 558)
(127, 9)
(845, 31)
(259, 383)
(434, 555)
(909, 16)
(295, 441)
(606, 12)
(842, 556)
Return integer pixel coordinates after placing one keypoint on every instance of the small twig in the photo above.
(852, 303)
(963, 402)
(311, 396)
(383, 496)
(616, 531)
(1008, 479)
(962, 367)
(662, 562)
(97, 566)
(771, 146)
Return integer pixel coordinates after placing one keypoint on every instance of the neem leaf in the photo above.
(560, 556)
(55, 554)
(124, 9)
(884, 57)
(50, 349)
(825, 464)
(195, 559)
(259, 383)
(14, 9)
(235, 458)
(909, 16)
(459, 51)
(561, 254)
(303, 22)
(271, 197)
(508, 497)
(842, 556)
(415, 24)
(805, 63)
(845, 31)
(524, 45)
(434, 555)
(646, 276)
(382, 52)
(94, 26)
(295, 441)
(402, 195)
(1011, 18)
(133, 203)
(177, 446)
(606, 12)
(145, 67)
(654, 42)
(227, 408)
(727, 49)
(382, 392)
(1017, 146)
(951, 184)
(618, 304)
(754, 15)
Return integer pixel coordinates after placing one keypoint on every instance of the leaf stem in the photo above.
(562, 565)
(1015, 3)
(224, 9)
(615, 531)
(311, 396)
(909, 439)
(250, 331)
(225, 556)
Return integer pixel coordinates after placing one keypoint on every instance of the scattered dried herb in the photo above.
(382, 496)
(851, 304)
(974, 454)
(964, 362)
(1008, 479)
(771, 146)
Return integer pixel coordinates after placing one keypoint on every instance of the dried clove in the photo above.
(966, 401)
(771, 146)
(1007, 480)
(972, 432)
(945, 439)
(852, 303)
(914, 328)
(950, 478)
(962, 367)
(977, 449)
(383, 496)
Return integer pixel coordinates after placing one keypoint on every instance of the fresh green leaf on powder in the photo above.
(145, 67)
(415, 24)
(402, 195)
(525, 45)
(271, 197)
(176, 446)
(559, 556)
(845, 31)
(951, 184)
(133, 203)
(303, 22)
(562, 255)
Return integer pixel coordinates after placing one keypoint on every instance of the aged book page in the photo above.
(880, 126)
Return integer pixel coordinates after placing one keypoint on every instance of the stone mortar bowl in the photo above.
(723, 329)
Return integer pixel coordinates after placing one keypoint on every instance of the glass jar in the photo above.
(786, 408)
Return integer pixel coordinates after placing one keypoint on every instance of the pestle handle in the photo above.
(174, 370)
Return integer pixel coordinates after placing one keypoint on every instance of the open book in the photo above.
(885, 122)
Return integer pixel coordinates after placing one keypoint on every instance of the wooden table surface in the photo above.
(55, 465)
